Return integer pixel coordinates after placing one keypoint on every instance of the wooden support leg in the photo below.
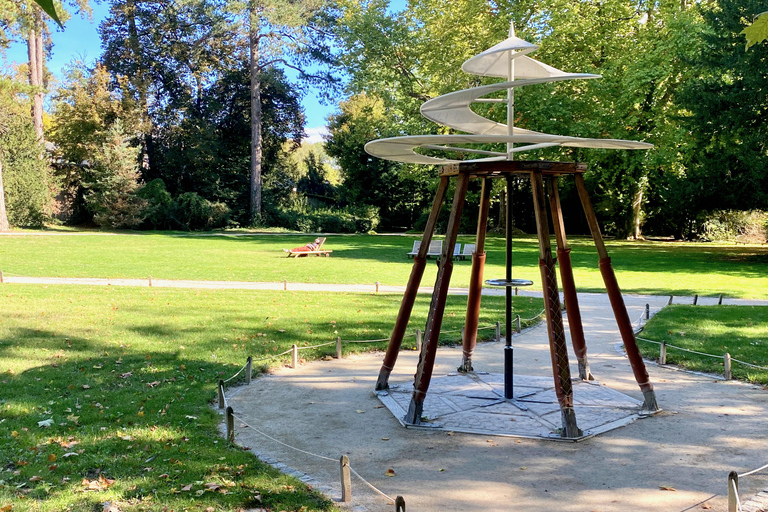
(617, 302)
(406, 306)
(476, 281)
(437, 307)
(569, 286)
(557, 347)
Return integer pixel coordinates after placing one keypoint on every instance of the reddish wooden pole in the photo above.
(411, 289)
(437, 307)
(476, 281)
(569, 286)
(557, 347)
(617, 301)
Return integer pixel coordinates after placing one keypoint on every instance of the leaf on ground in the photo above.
(6, 508)
(68, 454)
(86, 386)
(667, 488)
(35, 478)
(153, 384)
(45, 423)
(390, 472)
(706, 506)
(187, 487)
(360, 411)
(52, 457)
(109, 507)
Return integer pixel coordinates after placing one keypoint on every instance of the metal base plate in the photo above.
(474, 403)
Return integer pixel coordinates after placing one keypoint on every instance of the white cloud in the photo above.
(315, 134)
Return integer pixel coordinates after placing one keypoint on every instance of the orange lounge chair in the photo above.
(315, 247)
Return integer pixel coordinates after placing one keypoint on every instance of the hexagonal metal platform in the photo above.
(474, 403)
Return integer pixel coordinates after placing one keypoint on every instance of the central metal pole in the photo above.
(508, 350)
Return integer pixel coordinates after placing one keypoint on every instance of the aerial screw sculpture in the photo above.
(507, 60)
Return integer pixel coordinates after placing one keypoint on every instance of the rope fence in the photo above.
(346, 470)
(734, 501)
(727, 359)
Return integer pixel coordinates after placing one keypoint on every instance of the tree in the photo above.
(169, 52)
(725, 107)
(112, 193)
(86, 112)
(400, 192)
(25, 183)
(283, 33)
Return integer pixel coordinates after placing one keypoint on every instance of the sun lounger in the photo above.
(315, 247)
(456, 251)
(435, 248)
(467, 252)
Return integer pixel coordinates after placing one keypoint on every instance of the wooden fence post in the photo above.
(519, 327)
(399, 504)
(222, 403)
(663, 353)
(647, 311)
(230, 425)
(346, 480)
(248, 370)
(338, 348)
(733, 489)
(498, 332)
(695, 299)
(150, 281)
(377, 287)
(2, 279)
(727, 366)
(720, 300)
(670, 300)
(418, 340)
(294, 356)
(515, 291)
(285, 284)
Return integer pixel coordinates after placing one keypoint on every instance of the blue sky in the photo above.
(80, 40)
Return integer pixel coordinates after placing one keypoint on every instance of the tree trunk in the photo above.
(637, 203)
(4, 226)
(140, 82)
(255, 206)
(35, 53)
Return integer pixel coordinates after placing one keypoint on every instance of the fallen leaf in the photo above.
(523, 468)
(385, 439)
(706, 506)
(6, 508)
(389, 472)
(53, 467)
(15, 433)
(86, 386)
(187, 487)
(441, 469)
(153, 384)
(52, 457)
(360, 411)
(378, 406)
(35, 478)
(68, 454)
(667, 488)
(45, 423)
(109, 507)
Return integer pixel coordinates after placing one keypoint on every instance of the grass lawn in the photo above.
(741, 331)
(641, 267)
(124, 379)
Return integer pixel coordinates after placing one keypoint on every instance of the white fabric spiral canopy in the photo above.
(506, 60)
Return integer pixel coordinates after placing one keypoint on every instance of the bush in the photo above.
(360, 219)
(190, 211)
(733, 225)
(158, 204)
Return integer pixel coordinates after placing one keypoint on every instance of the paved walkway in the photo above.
(676, 460)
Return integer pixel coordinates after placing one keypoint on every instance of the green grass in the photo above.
(741, 331)
(127, 376)
(642, 267)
